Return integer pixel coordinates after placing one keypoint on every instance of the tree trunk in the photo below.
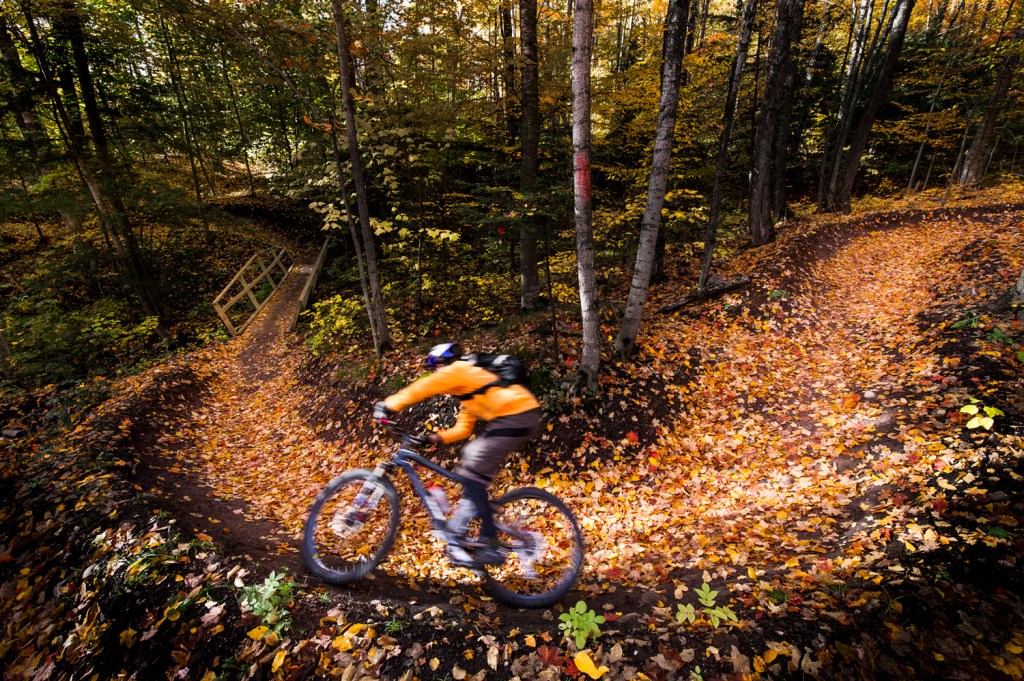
(102, 186)
(772, 135)
(673, 48)
(238, 119)
(28, 122)
(739, 61)
(179, 95)
(838, 129)
(529, 276)
(508, 51)
(377, 313)
(879, 93)
(973, 169)
(877, 81)
(582, 37)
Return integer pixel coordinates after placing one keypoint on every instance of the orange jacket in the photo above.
(461, 378)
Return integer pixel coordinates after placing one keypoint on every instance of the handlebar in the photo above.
(407, 439)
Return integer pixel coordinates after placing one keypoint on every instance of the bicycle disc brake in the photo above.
(531, 549)
(347, 522)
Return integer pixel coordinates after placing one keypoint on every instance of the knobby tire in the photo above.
(558, 565)
(347, 553)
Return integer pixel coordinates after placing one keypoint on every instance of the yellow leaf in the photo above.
(939, 656)
(434, 663)
(770, 655)
(128, 637)
(342, 643)
(531, 641)
(209, 676)
(1014, 648)
(355, 629)
(278, 660)
(586, 665)
(759, 666)
(258, 633)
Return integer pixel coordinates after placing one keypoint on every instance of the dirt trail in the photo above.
(761, 477)
(208, 471)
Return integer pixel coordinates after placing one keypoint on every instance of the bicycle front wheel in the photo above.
(545, 549)
(351, 527)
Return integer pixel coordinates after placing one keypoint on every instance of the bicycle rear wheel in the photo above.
(546, 549)
(351, 526)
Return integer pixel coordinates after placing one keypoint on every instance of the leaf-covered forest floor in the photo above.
(797, 444)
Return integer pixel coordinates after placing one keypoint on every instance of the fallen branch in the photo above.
(713, 290)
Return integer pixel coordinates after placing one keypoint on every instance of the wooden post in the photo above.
(307, 290)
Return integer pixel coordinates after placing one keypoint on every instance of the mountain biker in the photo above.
(512, 415)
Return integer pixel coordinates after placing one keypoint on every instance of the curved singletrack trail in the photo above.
(801, 411)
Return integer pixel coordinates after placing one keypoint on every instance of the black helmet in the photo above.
(442, 355)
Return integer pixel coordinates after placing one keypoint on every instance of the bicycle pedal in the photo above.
(488, 556)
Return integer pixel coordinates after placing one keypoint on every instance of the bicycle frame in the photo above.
(406, 459)
(333, 550)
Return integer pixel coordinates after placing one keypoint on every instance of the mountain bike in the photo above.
(354, 521)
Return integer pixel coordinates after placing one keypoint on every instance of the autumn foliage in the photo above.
(798, 445)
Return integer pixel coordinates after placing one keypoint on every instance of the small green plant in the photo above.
(394, 626)
(997, 335)
(695, 675)
(580, 624)
(716, 613)
(777, 294)
(968, 321)
(984, 416)
(269, 600)
(686, 613)
(997, 532)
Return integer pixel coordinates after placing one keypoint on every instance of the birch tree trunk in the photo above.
(377, 314)
(739, 61)
(582, 36)
(673, 48)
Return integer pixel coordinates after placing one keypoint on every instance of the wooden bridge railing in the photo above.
(307, 290)
(252, 289)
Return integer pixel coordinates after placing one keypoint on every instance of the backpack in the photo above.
(509, 370)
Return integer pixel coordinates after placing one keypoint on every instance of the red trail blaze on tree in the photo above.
(582, 165)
